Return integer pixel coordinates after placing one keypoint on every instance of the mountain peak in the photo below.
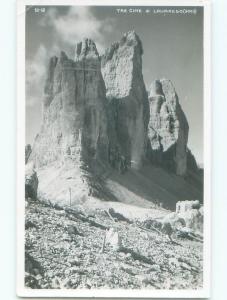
(63, 56)
(86, 49)
(131, 38)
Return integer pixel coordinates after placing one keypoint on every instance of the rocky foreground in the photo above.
(65, 249)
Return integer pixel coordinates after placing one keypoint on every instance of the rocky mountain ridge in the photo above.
(168, 127)
(128, 108)
(99, 119)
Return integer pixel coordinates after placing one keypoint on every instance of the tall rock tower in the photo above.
(128, 108)
(74, 125)
(168, 128)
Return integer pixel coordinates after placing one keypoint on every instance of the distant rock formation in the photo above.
(96, 114)
(168, 128)
(128, 109)
(31, 181)
(28, 151)
(97, 110)
(74, 125)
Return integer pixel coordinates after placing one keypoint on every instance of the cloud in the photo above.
(77, 23)
(35, 74)
(66, 29)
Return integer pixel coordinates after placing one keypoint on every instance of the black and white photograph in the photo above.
(113, 188)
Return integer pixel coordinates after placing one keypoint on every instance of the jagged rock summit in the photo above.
(74, 110)
(97, 119)
(168, 128)
(73, 141)
(128, 109)
(86, 49)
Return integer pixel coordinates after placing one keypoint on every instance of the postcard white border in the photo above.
(118, 293)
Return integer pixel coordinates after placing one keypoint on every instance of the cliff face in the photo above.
(74, 125)
(97, 115)
(128, 109)
(168, 128)
(97, 110)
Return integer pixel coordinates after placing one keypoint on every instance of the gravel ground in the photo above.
(63, 250)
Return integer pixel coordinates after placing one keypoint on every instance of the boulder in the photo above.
(192, 213)
(168, 128)
(187, 217)
(113, 239)
(128, 109)
(174, 220)
(28, 151)
(167, 229)
(193, 220)
(31, 182)
(32, 266)
(187, 205)
(31, 282)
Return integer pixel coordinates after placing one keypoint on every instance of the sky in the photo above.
(172, 43)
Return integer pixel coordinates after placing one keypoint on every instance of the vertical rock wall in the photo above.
(74, 125)
(168, 127)
(128, 109)
(97, 110)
